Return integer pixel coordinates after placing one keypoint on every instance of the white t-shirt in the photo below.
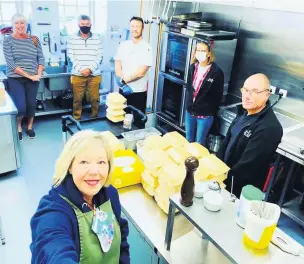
(132, 56)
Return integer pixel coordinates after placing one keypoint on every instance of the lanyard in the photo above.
(201, 80)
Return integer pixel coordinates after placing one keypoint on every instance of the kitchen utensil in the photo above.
(232, 196)
(201, 187)
(213, 201)
(131, 137)
(259, 230)
(249, 193)
(287, 245)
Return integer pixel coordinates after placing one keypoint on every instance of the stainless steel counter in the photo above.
(62, 71)
(150, 220)
(187, 244)
(9, 143)
(8, 108)
(221, 229)
(2, 76)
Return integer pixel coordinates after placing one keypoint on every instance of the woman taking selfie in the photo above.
(80, 221)
(204, 92)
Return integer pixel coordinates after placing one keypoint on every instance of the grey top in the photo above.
(8, 108)
(22, 53)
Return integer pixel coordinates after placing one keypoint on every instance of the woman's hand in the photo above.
(40, 73)
(35, 78)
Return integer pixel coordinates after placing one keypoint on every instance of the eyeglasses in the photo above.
(254, 92)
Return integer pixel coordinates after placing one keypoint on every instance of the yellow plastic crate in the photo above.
(127, 169)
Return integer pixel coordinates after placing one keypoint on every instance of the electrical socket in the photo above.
(272, 89)
(283, 93)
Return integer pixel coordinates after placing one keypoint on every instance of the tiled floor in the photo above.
(21, 191)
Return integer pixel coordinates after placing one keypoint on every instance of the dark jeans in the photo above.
(197, 129)
(138, 100)
(23, 92)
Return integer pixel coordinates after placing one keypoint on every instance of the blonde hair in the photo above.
(211, 57)
(74, 146)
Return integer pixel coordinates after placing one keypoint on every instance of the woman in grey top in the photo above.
(25, 65)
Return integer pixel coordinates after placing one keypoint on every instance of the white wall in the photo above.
(119, 14)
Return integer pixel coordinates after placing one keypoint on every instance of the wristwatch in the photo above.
(122, 81)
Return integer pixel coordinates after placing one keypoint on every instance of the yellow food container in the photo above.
(261, 222)
(127, 169)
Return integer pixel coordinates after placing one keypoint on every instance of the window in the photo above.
(69, 10)
(7, 10)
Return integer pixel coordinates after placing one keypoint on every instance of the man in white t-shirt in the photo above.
(132, 62)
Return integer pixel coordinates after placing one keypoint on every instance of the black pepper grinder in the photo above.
(187, 191)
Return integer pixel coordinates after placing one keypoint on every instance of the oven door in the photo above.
(170, 99)
(175, 55)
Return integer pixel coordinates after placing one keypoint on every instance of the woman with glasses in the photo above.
(79, 220)
(204, 92)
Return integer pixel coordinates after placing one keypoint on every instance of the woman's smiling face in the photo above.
(90, 169)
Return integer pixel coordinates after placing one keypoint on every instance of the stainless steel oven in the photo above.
(175, 55)
(170, 99)
(175, 59)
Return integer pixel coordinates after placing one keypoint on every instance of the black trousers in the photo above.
(23, 92)
(138, 100)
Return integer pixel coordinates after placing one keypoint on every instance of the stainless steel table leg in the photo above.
(112, 82)
(2, 238)
(289, 175)
(170, 223)
(64, 137)
(276, 165)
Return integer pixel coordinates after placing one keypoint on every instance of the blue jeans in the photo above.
(23, 92)
(197, 129)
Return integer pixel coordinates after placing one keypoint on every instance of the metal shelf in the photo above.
(50, 109)
(292, 210)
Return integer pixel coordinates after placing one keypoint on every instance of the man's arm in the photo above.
(141, 72)
(118, 69)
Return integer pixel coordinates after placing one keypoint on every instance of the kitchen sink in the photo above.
(57, 78)
(56, 70)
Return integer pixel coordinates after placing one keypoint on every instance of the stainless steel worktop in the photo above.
(62, 71)
(187, 244)
(8, 108)
(2, 76)
(292, 144)
(9, 143)
(150, 220)
(221, 229)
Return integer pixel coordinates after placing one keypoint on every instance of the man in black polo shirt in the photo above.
(252, 138)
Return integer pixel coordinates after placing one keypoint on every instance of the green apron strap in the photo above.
(90, 249)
